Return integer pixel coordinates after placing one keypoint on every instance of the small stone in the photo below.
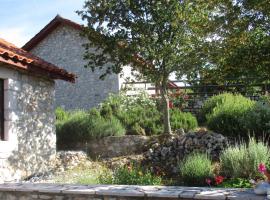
(262, 188)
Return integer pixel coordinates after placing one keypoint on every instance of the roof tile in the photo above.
(22, 59)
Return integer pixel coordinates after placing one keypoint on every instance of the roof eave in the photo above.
(50, 27)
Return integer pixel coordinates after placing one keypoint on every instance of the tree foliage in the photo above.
(156, 38)
(239, 45)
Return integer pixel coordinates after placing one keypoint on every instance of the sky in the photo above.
(22, 19)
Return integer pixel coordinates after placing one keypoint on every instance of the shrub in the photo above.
(82, 126)
(235, 115)
(257, 120)
(140, 119)
(75, 128)
(130, 175)
(106, 111)
(61, 114)
(94, 113)
(138, 114)
(182, 120)
(265, 99)
(107, 127)
(236, 183)
(213, 102)
(241, 161)
(195, 168)
(226, 117)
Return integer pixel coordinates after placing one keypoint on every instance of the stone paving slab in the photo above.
(151, 192)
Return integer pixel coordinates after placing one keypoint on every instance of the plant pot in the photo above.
(267, 174)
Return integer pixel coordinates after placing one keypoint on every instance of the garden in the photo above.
(226, 144)
(237, 128)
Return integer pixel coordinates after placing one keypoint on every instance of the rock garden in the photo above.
(121, 142)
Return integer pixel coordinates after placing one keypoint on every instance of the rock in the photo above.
(64, 160)
(167, 154)
(180, 131)
(262, 188)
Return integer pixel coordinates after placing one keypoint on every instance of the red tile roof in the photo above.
(23, 60)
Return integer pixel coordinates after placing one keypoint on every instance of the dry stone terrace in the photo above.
(18, 191)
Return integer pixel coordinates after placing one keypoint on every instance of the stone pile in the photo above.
(168, 154)
(69, 159)
(64, 160)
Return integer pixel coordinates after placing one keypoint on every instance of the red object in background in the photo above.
(219, 179)
(170, 104)
(208, 181)
(262, 168)
(129, 167)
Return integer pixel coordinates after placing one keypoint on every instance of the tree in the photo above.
(240, 45)
(154, 37)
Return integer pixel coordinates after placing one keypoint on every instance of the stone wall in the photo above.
(29, 125)
(169, 153)
(63, 47)
(113, 146)
(159, 150)
(120, 192)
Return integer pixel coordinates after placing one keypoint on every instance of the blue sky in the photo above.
(22, 19)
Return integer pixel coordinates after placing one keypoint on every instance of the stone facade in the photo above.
(63, 47)
(29, 124)
(121, 192)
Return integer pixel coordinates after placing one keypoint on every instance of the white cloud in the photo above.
(17, 36)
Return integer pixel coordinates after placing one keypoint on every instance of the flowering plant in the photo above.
(217, 180)
(262, 168)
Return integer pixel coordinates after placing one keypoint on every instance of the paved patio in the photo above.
(115, 192)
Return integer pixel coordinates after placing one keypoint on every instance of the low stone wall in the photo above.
(113, 146)
(167, 155)
(120, 192)
(156, 148)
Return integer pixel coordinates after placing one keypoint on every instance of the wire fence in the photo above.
(189, 96)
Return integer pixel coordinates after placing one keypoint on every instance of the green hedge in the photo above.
(140, 115)
(83, 126)
(116, 116)
(182, 120)
(257, 120)
(237, 116)
(213, 102)
(227, 117)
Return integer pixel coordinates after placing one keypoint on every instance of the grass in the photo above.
(85, 173)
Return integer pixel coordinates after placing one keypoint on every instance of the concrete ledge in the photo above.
(120, 192)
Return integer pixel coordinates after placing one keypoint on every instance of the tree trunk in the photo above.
(166, 112)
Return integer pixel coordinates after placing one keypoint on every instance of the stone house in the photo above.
(60, 43)
(27, 130)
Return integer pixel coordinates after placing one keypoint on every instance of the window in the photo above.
(2, 135)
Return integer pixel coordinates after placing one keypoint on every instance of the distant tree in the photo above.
(154, 37)
(240, 42)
